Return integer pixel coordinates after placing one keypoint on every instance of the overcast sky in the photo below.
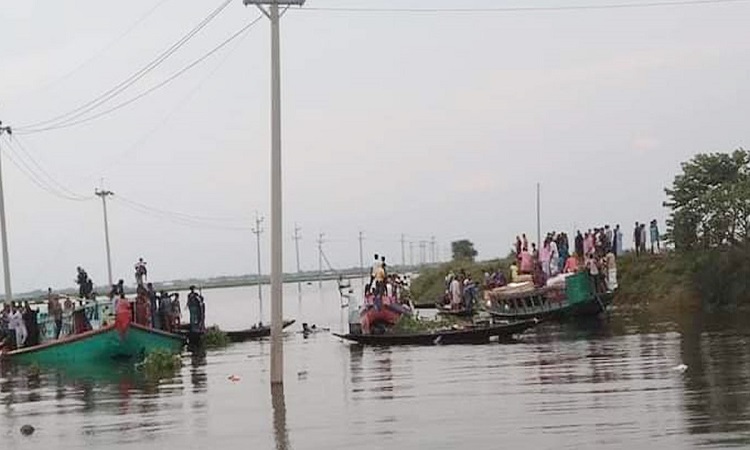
(421, 124)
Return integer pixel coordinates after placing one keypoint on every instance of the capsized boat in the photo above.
(121, 340)
(480, 334)
(564, 296)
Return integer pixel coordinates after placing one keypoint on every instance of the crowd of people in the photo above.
(460, 291)
(383, 283)
(18, 325)
(593, 251)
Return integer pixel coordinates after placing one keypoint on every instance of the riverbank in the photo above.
(687, 282)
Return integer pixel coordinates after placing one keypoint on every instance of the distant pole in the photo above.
(297, 236)
(411, 253)
(433, 254)
(538, 216)
(361, 259)
(257, 230)
(104, 194)
(3, 227)
(277, 304)
(320, 260)
(403, 253)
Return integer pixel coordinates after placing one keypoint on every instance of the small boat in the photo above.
(112, 342)
(574, 297)
(468, 335)
(256, 332)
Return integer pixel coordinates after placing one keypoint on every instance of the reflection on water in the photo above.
(278, 404)
(603, 384)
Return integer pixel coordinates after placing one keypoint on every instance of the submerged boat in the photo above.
(570, 296)
(112, 342)
(480, 334)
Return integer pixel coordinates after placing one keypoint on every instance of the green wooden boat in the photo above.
(105, 344)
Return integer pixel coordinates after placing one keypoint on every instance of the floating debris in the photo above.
(27, 430)
(680, 368)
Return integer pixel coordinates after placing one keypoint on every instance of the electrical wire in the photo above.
(37, 180)
(131, 80)
(102, 50)
(159, 85)
(211, 221)
(508, 9)
(178, 106)
(58, 186)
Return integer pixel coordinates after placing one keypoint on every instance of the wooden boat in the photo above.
(576, 297)
(255, 332)
(469, 335)
(459, 313)
(235, 336)
(111, 342)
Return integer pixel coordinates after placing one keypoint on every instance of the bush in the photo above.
(215, 338)
(161, 364)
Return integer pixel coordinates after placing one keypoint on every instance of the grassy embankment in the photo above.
(711, 279)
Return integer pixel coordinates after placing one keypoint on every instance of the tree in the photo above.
(710, 201)
(463, 250)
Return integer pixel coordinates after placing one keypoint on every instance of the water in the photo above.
(600, 385)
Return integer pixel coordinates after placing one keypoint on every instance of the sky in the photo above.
(422, 124)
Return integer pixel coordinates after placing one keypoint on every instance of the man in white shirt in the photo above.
(16, 324)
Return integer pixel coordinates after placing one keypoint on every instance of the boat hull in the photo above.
(596, 305)
(106, 344)
(479, 335)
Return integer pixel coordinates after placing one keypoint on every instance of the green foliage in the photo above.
(161, 364)
(723, 277)
(429, 287)
(412, 324)
(463, 250)
(710, 201)
(215, 338)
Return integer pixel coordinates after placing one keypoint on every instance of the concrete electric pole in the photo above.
(104, 194)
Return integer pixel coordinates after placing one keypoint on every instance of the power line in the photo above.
(177, 107)
(510, 9)
(123, 85)
(44, 184)
(159, 85)
(180, 215)
(102, 50)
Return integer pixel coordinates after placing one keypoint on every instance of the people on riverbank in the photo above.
(654, 232)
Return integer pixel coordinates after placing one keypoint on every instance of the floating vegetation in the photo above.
(160, 364)
(215, 338)
(413, 324)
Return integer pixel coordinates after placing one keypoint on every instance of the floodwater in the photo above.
(613, 384)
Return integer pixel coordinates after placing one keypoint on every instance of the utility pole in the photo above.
(104, 194)
(320, 260)
(422, 252)
(411, 253)
(257, 230)
(3, 227)
(277, 351)
(297, 238)
(361, 260)
(433, 246)
(403, 254)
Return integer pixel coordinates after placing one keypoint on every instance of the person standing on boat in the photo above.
(544, 257)
(82, 281)
(579, 244)
(30, 321)
(153, 305)
(375, 265)
(456, 294)
(196, 310)
(54, 311)
(527, 262)
(519, 247)
(15, 323)
(140, 272)
(524, 242)
(176, 311)
(165, 307)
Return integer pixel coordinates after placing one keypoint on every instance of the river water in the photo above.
(614, 384)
